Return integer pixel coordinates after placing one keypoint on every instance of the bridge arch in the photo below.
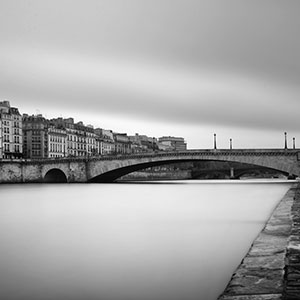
(55, 175)
(108, 169)
(117, 172)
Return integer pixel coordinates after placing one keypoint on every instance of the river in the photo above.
(136, 241)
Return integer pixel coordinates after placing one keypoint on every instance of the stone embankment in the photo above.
(158, 175)
(271, 269)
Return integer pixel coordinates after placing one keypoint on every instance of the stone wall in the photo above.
(11, 173)
(268, 270)
(292, 268)
(163, 175)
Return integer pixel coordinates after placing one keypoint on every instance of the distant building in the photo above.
(57, 142)
(35, 134)
(37, 137)
(11, 141)
(122, 143)
(105, 141)
(171, 143)
(143, 143)
(81, 139)
(1, 140)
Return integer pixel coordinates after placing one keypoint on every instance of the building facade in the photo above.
(81, 139)
(122, 143)
(143, 143)
(57, 142)
(11, 137)
(171, 143)
(105, 141)
(35, 134)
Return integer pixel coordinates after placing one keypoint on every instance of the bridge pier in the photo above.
(232, 173)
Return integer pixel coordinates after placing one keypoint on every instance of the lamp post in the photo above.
(294, 143)
(215, 141)
(285, 140)
(230, 143)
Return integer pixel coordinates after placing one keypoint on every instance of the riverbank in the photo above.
(271, 268)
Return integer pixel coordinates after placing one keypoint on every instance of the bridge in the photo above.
(109, 168)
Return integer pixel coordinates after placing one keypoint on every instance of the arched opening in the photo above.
(55, 176)
(217, 169)
(112, 175)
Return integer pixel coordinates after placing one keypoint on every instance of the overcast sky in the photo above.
(166, 67)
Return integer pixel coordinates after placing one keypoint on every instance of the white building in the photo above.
(57, 142)
(11, 136)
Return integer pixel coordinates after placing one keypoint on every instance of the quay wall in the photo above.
(162, 175)
(271, 268)
(17, 172)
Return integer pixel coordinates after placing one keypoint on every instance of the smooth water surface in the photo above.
(141, 241)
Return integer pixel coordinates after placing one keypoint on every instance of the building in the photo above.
(143, 143)
(35, 135)
(57, 142)
(11, 137)
(171, 143)
(105, 141)
(90, 140)
(1, 140)
(122, 143)
(81, 139)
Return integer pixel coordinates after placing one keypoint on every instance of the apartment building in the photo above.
(143, 143)
(105, 141)
(35, 136)
(81, 139)
(122, 143)
(11, 137)
(57, 142)
(170, 143)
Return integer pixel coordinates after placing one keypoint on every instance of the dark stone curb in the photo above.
(271, 268)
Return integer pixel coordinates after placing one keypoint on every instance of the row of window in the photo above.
(56, 155)
(36, 139)
(57, 139)
(56, 148)
(74, 138)
(12, 148)
(16, 139)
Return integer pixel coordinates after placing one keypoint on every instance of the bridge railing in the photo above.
(191, 152)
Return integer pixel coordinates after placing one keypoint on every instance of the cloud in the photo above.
(148, 89)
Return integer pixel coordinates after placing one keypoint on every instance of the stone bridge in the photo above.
(109, 168)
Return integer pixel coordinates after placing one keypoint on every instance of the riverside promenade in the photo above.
(271, 268)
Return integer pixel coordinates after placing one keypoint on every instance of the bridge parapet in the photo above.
(195, 152)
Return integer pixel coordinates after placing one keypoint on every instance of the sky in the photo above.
(187, 68)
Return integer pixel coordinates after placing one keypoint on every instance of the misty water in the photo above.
(130, 241)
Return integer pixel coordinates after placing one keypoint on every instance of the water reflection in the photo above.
(128, 241)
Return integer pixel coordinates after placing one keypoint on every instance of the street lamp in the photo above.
(230, 142)
(215, 141)
(285, 140)
(294, 143)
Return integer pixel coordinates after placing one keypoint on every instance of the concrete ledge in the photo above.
(262, 273)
